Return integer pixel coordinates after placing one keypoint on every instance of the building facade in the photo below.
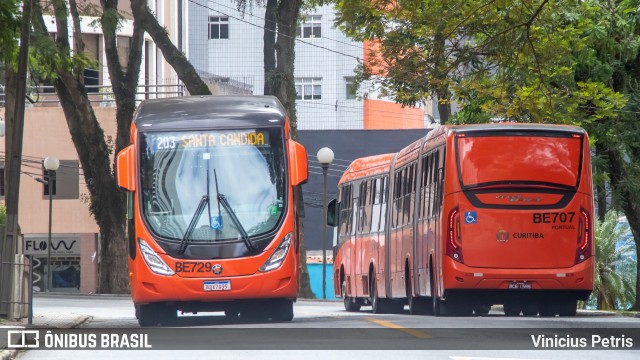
(226, 47)
(227, 43)
(75, 234)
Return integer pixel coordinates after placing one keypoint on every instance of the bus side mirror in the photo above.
(125, 168)
(332, 213)
(298, 171)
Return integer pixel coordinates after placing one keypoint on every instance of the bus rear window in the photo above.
(507, 159)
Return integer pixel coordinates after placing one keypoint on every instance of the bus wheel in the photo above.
(157, 314)
(567, 307)
(512, 309)
(350, 304)
(282, 310)
(147, 315)
(481, 309)
(436, 304)
(376, 306)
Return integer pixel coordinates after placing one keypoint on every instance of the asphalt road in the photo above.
(326, 330)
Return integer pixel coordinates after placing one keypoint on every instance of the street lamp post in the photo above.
(325, 157)
(51, 165)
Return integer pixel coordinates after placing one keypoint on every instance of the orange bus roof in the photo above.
(367, 166)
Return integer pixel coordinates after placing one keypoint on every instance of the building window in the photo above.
(66, 183)
(92, 52)
(308, 88)
(311, 27)
(123, 45)
(350, 88)
(218, 27)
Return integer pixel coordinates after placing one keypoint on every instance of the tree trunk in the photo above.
(269, 47)
(288, 12)
(93, 152)
(107, 209)
(631, 209)
(178, 61)
(279, 55)
(441, 74)
(11, 81)
(444, 107)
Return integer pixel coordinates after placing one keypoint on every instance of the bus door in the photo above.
(422, 248)
(383, 243)
(374, 236)
(428, 228)
(520, 208)
(362, 236)
(392, 212)
(396, 236)
(354, 241)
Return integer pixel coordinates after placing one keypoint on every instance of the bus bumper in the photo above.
(576, 278)
(148, 287)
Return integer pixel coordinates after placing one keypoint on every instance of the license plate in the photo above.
(217, 285)
(519, 285)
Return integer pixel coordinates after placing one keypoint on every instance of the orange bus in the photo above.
(468, 217)
(211, 208)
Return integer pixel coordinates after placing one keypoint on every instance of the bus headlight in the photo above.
(155, 263)
(277, 258)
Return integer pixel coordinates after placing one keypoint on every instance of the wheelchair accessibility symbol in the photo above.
(470, 217)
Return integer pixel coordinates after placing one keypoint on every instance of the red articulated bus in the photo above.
(467, 217)
(211, 208)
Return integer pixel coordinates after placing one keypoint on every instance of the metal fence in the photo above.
(42, 96)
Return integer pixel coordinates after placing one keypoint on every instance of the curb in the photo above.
(8, 354)
(61, 294)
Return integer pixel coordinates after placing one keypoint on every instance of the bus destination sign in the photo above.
(195, 140)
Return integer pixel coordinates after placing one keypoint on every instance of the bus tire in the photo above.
(157, 314)
(282, 310)
(481, 310)
(147, 316)
(377, 307)
(350, 304)
(436, 304)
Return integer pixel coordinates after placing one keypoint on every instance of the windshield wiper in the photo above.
(192, 225)
(222, 199)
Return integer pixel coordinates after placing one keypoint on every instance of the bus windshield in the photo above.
(178, 169)
(519, 158)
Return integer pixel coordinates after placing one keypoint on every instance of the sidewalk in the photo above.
(40, 320)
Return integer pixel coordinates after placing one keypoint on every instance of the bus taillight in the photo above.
(453, 236)
(585, 243)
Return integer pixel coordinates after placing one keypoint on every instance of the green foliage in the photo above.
(3, 214)
(506, 59)
(615, 271)
(47, 58)
(9, 30)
